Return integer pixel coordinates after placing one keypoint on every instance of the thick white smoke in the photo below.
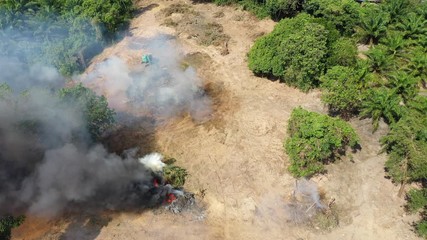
(162, 89)
(153, 161)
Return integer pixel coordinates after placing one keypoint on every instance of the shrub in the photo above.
(342, 90)
(417, 199)
(174, 175)
(343, 52)
(316, 139)
(422, 228)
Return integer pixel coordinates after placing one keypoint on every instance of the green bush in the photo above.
(417, 199)
(295, 52)
(343, 90)
(343, 52)
(316, 139)
(422, 228)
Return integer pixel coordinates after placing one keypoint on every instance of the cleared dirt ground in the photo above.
(236, 161)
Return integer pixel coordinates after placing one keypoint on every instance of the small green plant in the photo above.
(422, 228)
(316, 139)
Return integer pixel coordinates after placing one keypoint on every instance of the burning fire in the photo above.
(171, 197)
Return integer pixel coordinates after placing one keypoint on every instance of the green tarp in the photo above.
(146, 58)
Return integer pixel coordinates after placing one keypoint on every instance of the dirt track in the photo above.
(237, 158)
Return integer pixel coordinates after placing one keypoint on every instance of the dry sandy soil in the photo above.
(236, 161)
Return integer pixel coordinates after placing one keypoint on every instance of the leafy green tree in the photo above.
(304, 55)
(62, 33)
(373, 24)
(316, 139)
(6, 225)
(295, 52)
(98, 115)
(417, 199)
(381, 103)
(343, 14)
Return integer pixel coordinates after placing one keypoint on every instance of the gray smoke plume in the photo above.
(47, 160)
(162, 89)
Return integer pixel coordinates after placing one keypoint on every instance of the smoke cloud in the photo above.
(47, 160)
(162, 89)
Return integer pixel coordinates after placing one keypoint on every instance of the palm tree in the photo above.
(413, 25)
(417, 65)
(403, 84)
(394, 42)
(381, 103)
(373, 25)
(395, 8)
(379, 60)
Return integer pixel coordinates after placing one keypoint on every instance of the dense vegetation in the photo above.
(316, 139)
(62, 33)
(6, 225)
(316, 47)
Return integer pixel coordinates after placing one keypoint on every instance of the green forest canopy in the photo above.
(62, 33)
